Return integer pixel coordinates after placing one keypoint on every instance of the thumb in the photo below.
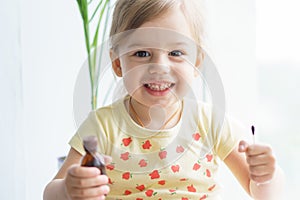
(243, 146)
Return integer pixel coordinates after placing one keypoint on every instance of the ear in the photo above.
(198, 63)
(116, 65)
(199, 59)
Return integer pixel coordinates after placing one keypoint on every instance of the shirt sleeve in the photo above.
(91, 126)
(221, 133)
(228, 137)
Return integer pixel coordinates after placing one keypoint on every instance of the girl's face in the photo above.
(157, 60)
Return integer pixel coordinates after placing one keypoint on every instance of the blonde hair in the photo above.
(131, 14)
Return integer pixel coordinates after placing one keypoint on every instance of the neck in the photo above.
(156, 116)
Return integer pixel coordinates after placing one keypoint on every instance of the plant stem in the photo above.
(107, 4)
(91, 48)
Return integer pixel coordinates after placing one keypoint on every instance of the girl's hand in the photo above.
(86, 183)
(260, 160)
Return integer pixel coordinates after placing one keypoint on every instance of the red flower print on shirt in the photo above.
(179, 149)
(143, 163)
(126, 141)
(208, 174)
(125, 156)
(211, 187)
(110, 166)
(184, 198)
(172, 191)
(126, 175)
(196, 166)
(154, 174)
(147, 144)
(162, 154)
(149, 193)
(127, 192)
(203, 197)
(175, 168)
(140, 187)
(209, 157)
(162, 182)
(139, 199)
(191, 188)
(196, 136)
(110, 181)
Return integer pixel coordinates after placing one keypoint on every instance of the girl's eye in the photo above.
(142, 54)
(176, 53)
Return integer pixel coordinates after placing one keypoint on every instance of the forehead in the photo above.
(168, 29)
(173, 19)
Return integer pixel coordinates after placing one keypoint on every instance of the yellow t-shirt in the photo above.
(177, 163)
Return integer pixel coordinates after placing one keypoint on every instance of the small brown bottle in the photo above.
(92, 158)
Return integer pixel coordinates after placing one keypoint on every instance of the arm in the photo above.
(256, 171)
(75, 182)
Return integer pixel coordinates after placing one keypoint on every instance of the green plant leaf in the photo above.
(97, 8)
(91, 48)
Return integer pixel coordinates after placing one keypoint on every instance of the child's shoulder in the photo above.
(115, 108)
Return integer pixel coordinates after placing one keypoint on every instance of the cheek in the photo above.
(132, 79)
(184, 83)
(131, 83)
(129, 67)
(183, 87)
(186, 74)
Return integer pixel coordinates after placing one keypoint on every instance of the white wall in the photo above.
(279, 70)
(43, 45)
(231, 40)
(41, 53)
(52, 53)
(11, 143)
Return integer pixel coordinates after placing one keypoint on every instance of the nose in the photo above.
(159, 64)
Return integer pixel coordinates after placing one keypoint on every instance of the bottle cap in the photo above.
(90, 143)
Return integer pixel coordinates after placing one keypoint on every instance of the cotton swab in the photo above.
(253, 132)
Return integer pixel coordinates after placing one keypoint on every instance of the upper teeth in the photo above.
(158, 87)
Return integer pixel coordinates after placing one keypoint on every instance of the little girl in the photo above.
(160, 143)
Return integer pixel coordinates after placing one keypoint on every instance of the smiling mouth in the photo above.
(159, 86)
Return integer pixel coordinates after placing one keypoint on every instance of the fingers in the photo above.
(261, 168)
(86, 183)
(83, 172)
(257, 149)
(90, 193)
(79, 182)
(261, 179)
(92, 198)
(254, 149)
(260, 160)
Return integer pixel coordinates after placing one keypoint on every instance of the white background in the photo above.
(42, 50)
